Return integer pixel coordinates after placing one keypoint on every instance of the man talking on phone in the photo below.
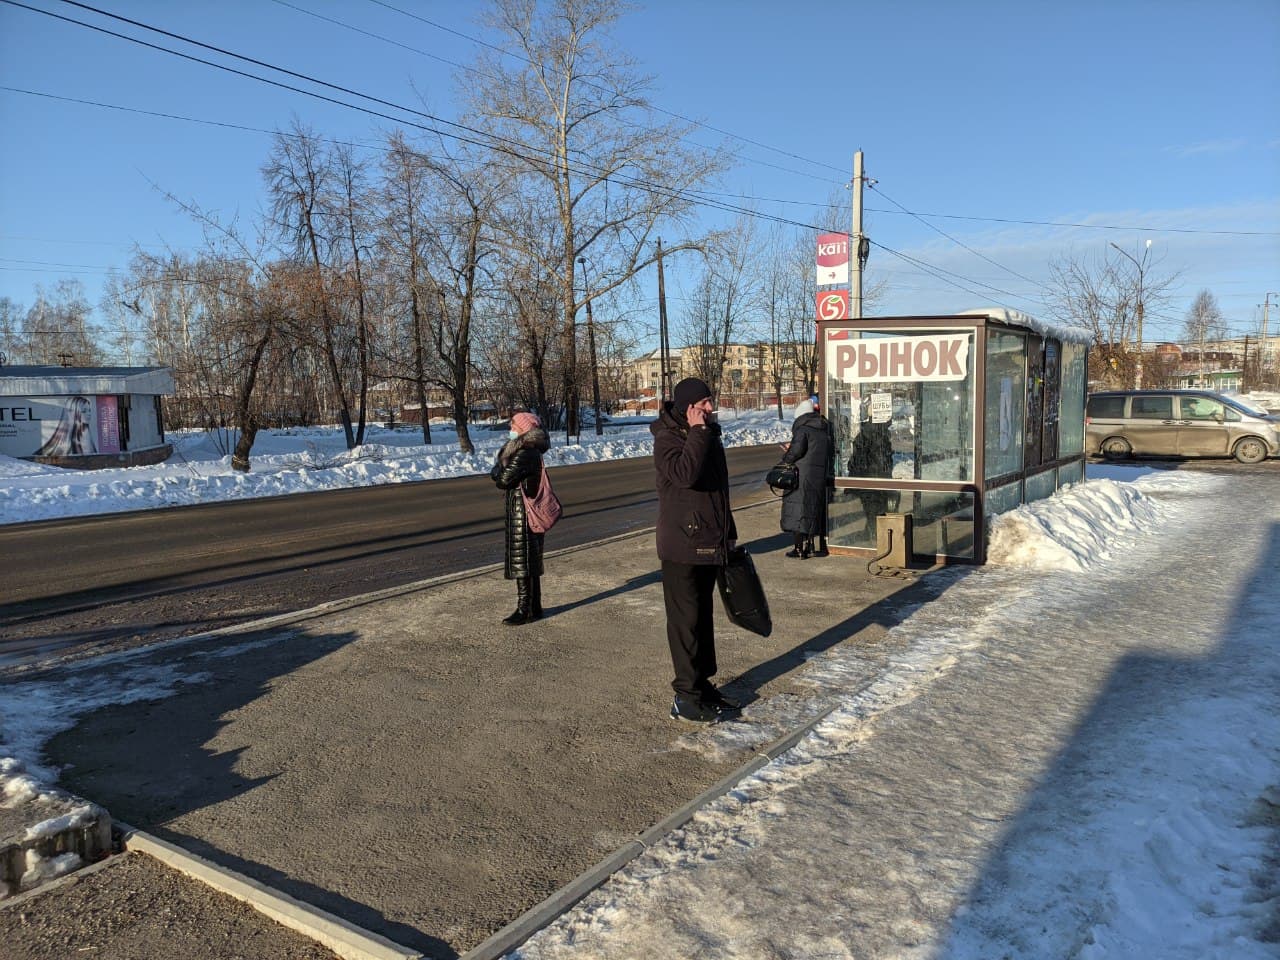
(694, 533)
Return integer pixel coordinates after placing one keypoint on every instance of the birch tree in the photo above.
(569, 115)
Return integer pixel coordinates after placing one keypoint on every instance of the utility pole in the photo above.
(664, 342)
(1266, 308)
(1141, 267)
(856, 256)
(1266, 359)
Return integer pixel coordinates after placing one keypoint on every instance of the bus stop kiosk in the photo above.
(941, 423)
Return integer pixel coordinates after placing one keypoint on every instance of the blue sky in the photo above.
(1125, 115)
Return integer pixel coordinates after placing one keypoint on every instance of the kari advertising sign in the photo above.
(833, 304)
(50, 426)
(833, 259)
(936, 357)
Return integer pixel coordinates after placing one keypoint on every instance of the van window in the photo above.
(1106, 408)
(1152, 408)
(1200, 408)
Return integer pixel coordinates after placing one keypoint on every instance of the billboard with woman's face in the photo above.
(58, 426)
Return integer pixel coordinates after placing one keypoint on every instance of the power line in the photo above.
(708, 193)
(178, 116)
(677, 116)
(1038, 223)
(1100, 226)
(489, 77)
(487, 143)
(936, 273)
(93, 272)
(983, 256)
(689, 196)
(46, 263)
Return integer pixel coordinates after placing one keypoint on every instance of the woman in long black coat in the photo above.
(804, 509)
(519, 464)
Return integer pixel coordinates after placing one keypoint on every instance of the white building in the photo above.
(85, 417)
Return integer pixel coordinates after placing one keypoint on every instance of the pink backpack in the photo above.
(543, 510)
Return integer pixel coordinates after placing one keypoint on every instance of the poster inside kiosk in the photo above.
(933, 357)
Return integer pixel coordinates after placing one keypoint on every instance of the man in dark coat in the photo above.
(695, 531)
(804, 509)
(519, 465)
(871, 455)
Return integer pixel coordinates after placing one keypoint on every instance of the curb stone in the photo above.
(343, 938)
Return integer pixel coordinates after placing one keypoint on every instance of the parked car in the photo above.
(1178, 423)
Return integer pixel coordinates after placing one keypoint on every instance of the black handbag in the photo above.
(784, 478)
(743, 593)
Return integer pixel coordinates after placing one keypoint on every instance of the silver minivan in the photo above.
(1178, 423)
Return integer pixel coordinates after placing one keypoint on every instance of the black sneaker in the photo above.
(717, 700)
(693, 711)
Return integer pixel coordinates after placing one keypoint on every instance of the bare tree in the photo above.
(238, 332)
(460, 242)
(350, 211)
(57, 328)
(11, 343)
(781, 288)
(1102, 293)
(799, 305)
(403, 239)
(1203, 322)
(301, 181)
(527, 373)
(721, 302)
(569, 120)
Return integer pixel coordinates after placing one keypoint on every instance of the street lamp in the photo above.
(1141, 267)
(591, 345)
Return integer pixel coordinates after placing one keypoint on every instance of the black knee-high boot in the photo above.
(535, 598)
(523, 601)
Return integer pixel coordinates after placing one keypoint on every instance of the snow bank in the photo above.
(1072, 531)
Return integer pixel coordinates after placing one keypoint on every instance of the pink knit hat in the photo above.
(524, 421)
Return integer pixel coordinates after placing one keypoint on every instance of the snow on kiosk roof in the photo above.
(52, 381)
(1066, 332)
(942, 422)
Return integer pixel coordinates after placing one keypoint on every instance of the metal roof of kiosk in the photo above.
(54, 381)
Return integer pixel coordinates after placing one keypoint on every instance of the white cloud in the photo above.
(1209, 146)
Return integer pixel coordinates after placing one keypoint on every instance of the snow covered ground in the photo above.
(1132, 812)
(303, 459)
(1076, 753)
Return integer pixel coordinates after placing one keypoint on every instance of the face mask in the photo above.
(513, 434)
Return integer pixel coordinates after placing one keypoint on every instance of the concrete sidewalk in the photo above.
(416, 768)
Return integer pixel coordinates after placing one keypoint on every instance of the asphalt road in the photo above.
(91, 584)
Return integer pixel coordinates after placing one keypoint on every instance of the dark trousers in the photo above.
(689, 591)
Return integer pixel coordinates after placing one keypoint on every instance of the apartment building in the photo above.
(746, 380)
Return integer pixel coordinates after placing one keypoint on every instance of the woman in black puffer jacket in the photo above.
(519, 464)
(804, 509)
